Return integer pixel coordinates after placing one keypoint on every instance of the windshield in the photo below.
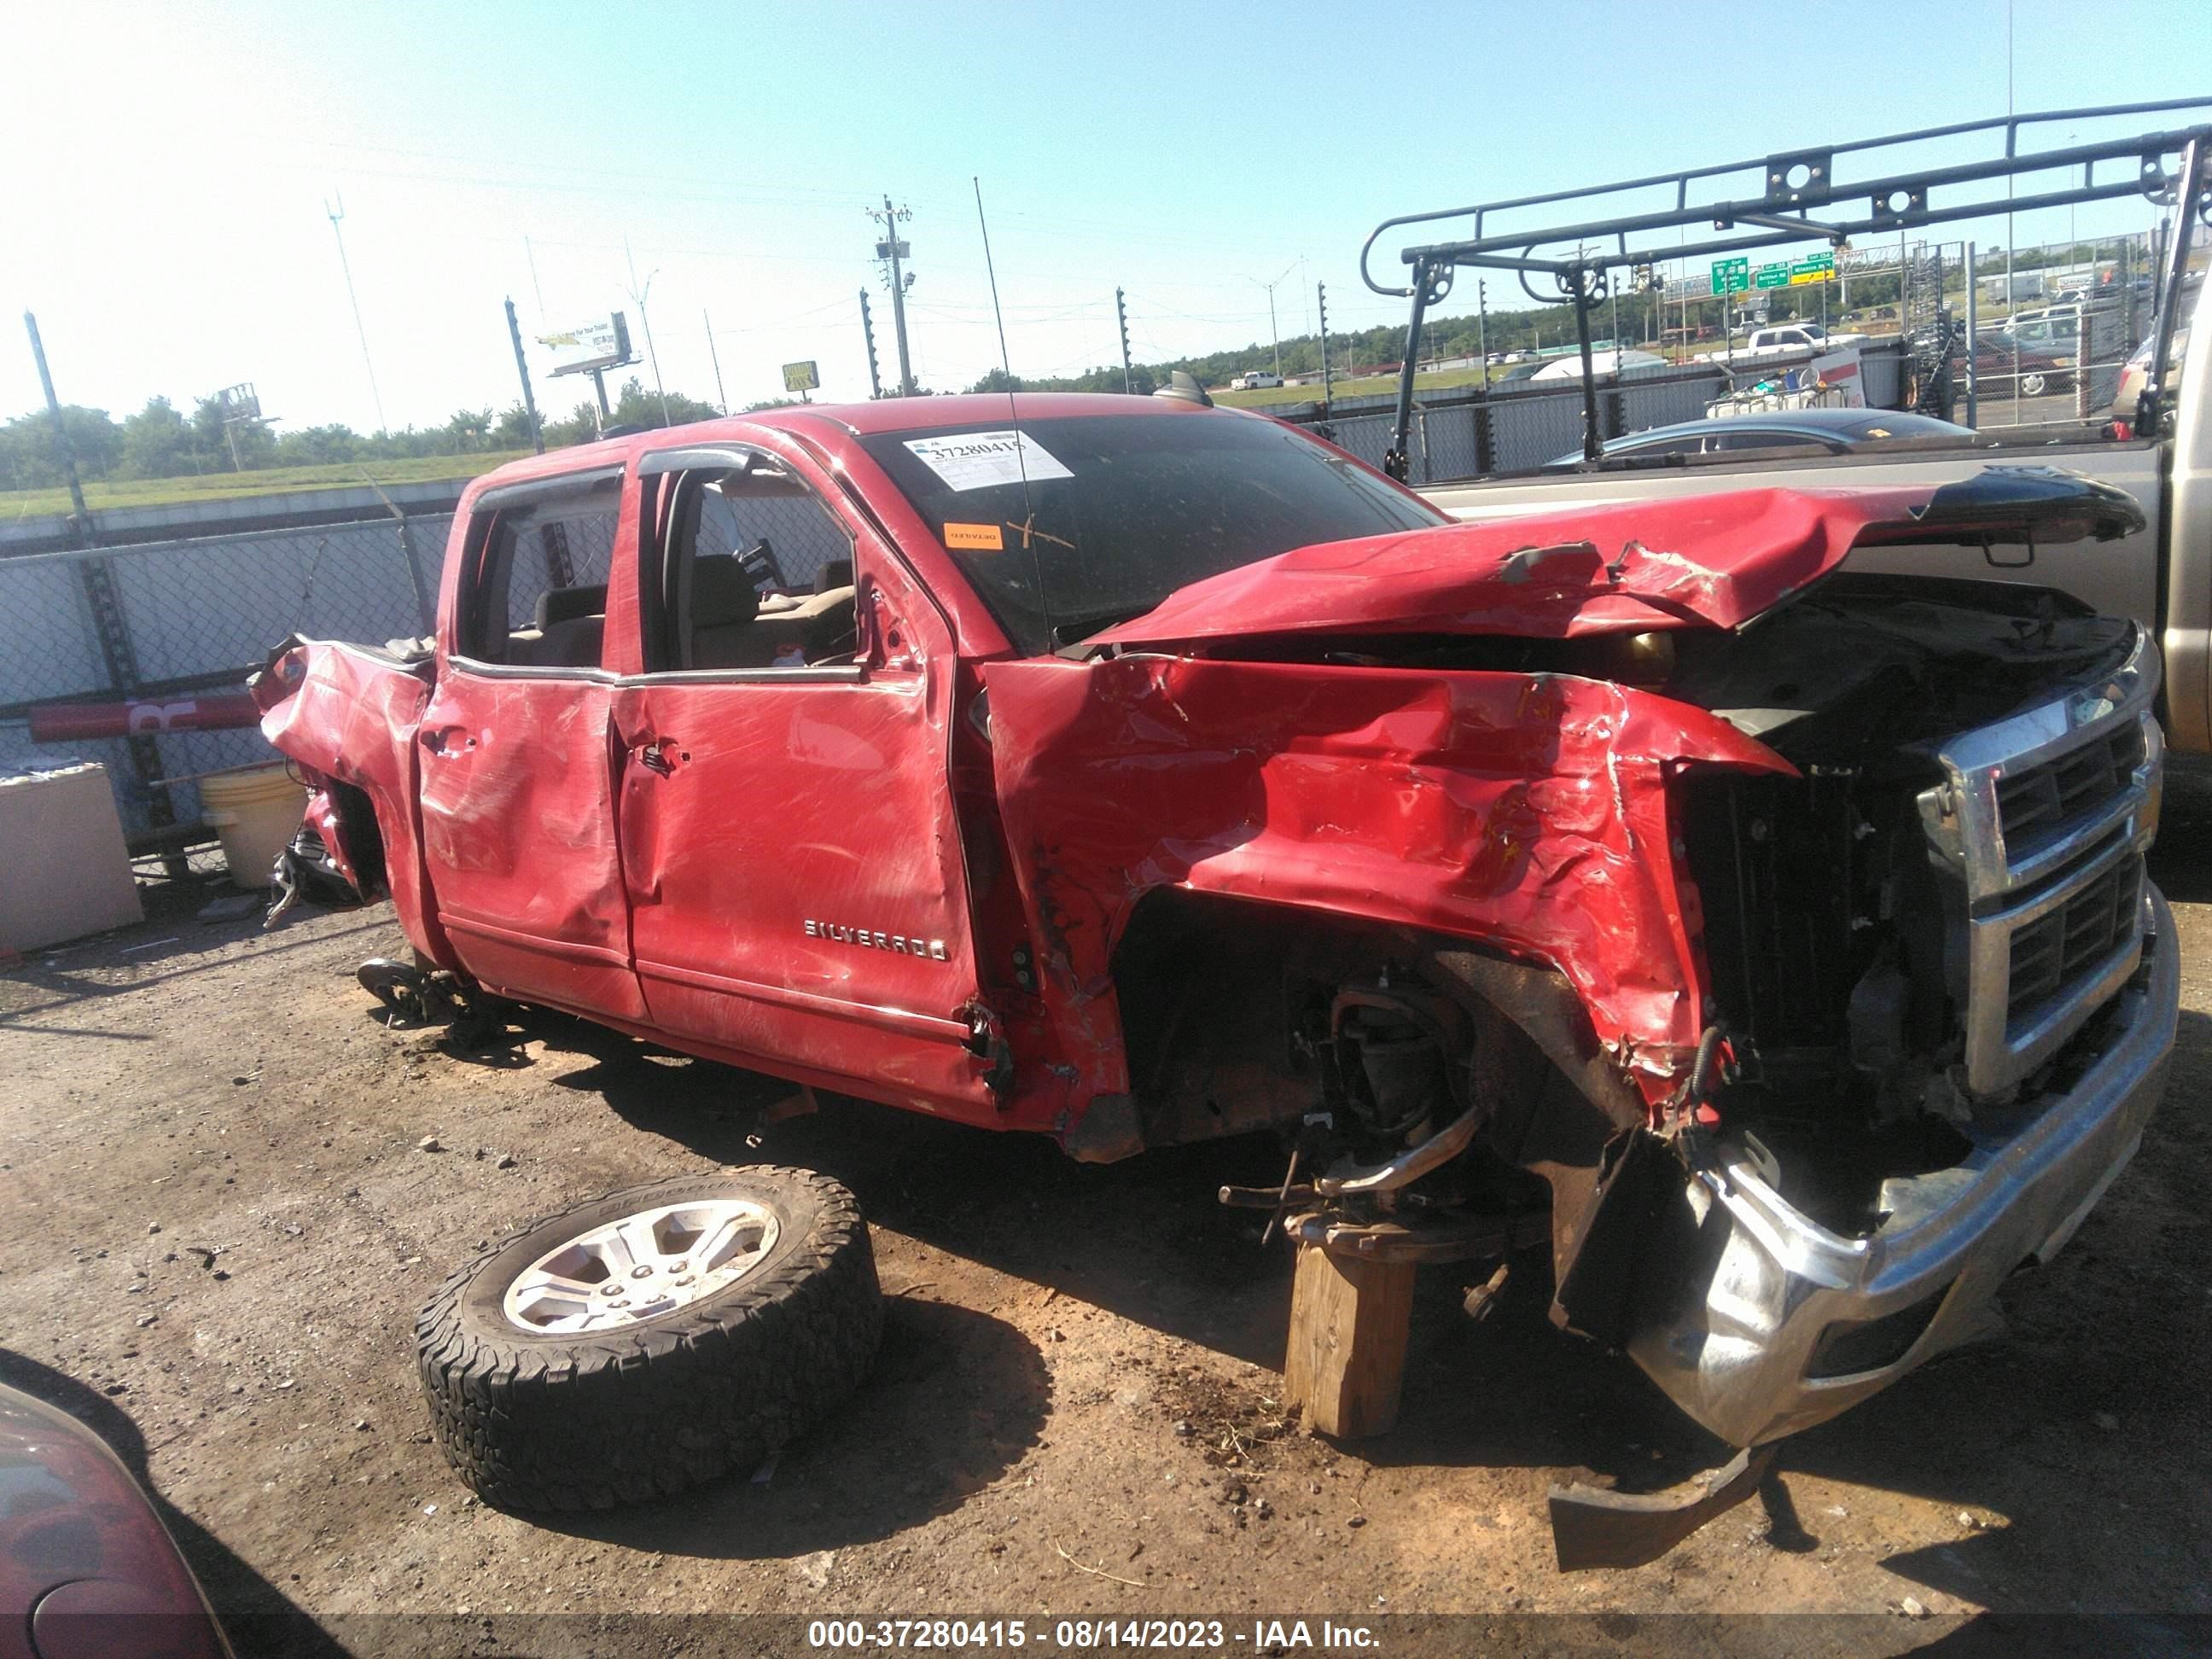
(1122, 510)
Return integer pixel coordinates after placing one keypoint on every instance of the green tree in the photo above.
(639, 405)
(319, 445)
(511, 430)
(157, 442)
(28, 459)
(470, 429)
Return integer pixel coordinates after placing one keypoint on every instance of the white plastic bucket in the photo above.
(255, 810)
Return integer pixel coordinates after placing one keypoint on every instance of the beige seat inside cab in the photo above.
(732, 627)
(570, 627)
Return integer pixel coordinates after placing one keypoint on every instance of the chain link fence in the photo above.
(1465, 433)
(166, 619)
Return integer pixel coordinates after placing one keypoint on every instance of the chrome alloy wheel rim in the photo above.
(641, 1267)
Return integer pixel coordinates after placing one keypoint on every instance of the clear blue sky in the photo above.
(165, 217)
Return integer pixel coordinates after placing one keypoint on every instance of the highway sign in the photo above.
(1731, 275)
(1770, 277)
(1812, 268)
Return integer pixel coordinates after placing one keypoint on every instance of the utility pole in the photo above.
(353, 299)
(638, 296)
(80, 522)
(1272, 334)
(891, 250)
(1128, 374)
(868, 333)
(721, 398)
(522, 368)
(1482, 327)
(1321, 308)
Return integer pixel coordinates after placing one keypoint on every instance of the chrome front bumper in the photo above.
(1747, 1351)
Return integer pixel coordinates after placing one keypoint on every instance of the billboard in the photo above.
(601, 342)
(801, 377)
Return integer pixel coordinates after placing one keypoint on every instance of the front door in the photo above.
(798, 892)
(517, 754)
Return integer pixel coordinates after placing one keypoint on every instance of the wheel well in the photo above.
(1227, 1003)
(364, 836)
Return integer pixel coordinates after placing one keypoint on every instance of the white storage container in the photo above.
(64, 870)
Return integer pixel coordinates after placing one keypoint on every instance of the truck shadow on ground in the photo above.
(1144, 1239)
(2015, 1434)
(257, 1616)
(67, 976)
(955, 1401)
(2041, 1436)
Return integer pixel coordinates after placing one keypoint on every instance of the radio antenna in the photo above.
(1014, 418)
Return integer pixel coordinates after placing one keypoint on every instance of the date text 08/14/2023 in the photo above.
(1211, 1636)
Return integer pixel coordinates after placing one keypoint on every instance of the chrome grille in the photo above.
(2037, 799)
(2043, 819)
(2054, 953)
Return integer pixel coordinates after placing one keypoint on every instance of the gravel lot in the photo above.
(216, 1225)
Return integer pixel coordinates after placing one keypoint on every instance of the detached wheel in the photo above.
(643, 1342)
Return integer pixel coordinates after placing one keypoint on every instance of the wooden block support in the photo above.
(1350, 1319)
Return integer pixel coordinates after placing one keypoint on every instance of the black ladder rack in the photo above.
(1802, 199)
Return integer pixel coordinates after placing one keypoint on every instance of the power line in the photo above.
(638, 297)
(336, 214)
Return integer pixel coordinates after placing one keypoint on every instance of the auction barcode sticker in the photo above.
(985, 460)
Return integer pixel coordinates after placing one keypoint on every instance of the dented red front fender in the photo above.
(1526, 810)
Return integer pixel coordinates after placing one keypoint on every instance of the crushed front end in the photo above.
(1774, 938)
(1949, 989)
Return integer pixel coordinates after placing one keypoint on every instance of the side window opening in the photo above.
(535, 596)
(754, 573)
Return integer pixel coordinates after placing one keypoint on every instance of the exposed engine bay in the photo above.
(1824, 918)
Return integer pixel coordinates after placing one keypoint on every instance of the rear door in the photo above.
(797, 890)
(517, 755)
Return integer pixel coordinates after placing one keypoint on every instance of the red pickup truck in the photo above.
(1775, 940)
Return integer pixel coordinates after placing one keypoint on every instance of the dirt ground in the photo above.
(216, 1226)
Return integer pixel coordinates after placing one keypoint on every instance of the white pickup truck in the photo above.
(2160, 575)
(1794, 336)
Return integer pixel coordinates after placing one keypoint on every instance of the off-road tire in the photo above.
(538, 1421)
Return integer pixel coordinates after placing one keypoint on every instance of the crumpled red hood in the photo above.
(1708, 561)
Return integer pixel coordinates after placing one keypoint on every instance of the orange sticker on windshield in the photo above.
(986, 536)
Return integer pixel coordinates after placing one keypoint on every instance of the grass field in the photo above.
(229, 486)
